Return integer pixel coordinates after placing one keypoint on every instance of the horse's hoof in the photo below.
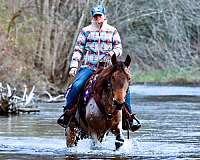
(119, 142)
(118, 145)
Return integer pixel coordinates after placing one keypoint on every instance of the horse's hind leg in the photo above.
(101, 137)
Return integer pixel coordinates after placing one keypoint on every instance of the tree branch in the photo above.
(80, 24)
(132, 16)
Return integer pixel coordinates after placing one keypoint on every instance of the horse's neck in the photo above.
(102, 93)
(101, 85)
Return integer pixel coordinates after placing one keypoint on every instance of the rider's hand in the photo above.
(72, 72)
(110, 53)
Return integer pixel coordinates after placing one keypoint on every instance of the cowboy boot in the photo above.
(130, 119)
(66, 117)
(134, 127)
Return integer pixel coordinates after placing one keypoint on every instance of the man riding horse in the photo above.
(96, 43)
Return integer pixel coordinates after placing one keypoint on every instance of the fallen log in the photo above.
(28, 110)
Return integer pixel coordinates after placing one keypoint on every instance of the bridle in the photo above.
(115, 103)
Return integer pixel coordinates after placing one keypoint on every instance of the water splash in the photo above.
(107, 147)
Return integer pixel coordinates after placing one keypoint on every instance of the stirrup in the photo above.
(65, 119)
(135, 127)
(63, 123)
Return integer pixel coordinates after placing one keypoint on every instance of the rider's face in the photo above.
(99, 19)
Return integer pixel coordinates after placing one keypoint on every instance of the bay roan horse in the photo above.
(103, 111)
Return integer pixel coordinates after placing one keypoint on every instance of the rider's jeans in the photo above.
(81, 78)
(128, 101)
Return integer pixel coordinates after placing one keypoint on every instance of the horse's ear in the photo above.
(127, 61)
(114, 59)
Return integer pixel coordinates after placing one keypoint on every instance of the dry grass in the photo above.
(177, 77)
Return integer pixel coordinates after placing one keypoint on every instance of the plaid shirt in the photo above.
(94, 44)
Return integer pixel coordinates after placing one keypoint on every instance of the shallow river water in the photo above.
(170, 118)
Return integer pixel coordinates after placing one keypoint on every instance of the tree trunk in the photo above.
(39, 47)
(80, 24)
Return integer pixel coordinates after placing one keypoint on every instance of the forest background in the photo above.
(37, 39)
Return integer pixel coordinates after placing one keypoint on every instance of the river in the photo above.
(170, 118)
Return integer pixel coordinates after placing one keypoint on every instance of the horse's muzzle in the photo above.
(118, 105)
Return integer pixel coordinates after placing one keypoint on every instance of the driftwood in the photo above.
(28, 110)
(12, 103)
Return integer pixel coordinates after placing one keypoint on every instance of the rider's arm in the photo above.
(79, 50)
(117, 45)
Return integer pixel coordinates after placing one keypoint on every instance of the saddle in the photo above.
(85, 96)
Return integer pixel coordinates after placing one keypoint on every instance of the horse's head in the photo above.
(120, 78)
(112, 84)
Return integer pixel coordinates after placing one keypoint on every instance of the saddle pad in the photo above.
(89, 88)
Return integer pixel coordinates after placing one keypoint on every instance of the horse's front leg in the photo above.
(71, 136)
(119, 141)
(94, 139)
(117, 130)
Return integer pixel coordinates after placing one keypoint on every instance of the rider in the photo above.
(94, 43)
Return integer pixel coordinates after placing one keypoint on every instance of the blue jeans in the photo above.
(128, 101)
(81, 78)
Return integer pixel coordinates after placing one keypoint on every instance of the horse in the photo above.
(103, 111)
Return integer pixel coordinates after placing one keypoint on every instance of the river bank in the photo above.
(168, 77)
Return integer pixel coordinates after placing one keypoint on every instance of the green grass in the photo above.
(181, 76)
